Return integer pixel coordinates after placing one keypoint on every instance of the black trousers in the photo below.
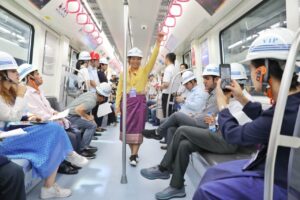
(98, 120)
(12, 185)
(164, 101)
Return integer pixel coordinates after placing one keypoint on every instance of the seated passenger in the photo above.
(194, 102)
(188, 139)
(80, 116)
(244, 179)
(45, 146)
(38, 105)
(12, 185)
(196, 107)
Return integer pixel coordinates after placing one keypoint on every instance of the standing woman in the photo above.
(136, 100)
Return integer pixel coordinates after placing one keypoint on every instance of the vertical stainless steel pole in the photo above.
(124, 106)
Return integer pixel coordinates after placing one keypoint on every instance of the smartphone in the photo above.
(225, 75)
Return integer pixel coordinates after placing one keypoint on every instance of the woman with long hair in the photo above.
(45, 146)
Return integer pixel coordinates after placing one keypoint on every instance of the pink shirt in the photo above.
(37, 104)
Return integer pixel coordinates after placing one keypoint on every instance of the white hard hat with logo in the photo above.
(26, 69)
(104, 89)
(103, 61)
(84, 55)
(271, 43)
(211, 70)
(135, 52)
(7, 62)
(187, 76)
(238, 71)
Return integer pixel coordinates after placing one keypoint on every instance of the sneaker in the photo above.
(164, 147)
(154, 173)
(55, 192)
(151, 134)
(133, 160)
(170, 192)
(163, 142)
(76, 159)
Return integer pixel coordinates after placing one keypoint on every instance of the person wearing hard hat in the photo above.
(244, 179)
(188, 139)
(103, 64)
(38, 105)
(188, 118)
(83, 72)
(79, 115)
(33, 145)
(136, 100)
(93, 65)
(101, 74)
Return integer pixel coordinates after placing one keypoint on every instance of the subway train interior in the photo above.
(149, 99)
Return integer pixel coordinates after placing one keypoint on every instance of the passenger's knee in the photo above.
(203, 192)
(185, 146)
(92, 125)
(15, 172)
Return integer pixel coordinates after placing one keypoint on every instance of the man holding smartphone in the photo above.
(191, 138)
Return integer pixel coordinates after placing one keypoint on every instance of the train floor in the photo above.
(100, 179)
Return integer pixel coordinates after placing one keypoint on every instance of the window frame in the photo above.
(235, 22)
(32, 31)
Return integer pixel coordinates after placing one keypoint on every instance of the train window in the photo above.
(236, 38)
(16, 37)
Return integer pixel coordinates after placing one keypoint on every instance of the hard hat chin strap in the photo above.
(265, 82)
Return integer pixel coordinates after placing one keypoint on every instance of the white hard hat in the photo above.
(211, 70)
(104, 89)
(84, 55)
(238, 71)
(26, 69)
(114, 74)
(187, 76)
(7, 62)
(103, 61)
(271, 43)
(135, 52)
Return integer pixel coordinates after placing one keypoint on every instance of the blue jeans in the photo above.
(88, 128)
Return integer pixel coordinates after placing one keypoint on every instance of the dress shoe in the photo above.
(73, 166)
(92, 147)
(65, 169)
(91, 150)
(151, 134)
(88, 155)
(97, 134)
(99, 129)
(94, 138)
